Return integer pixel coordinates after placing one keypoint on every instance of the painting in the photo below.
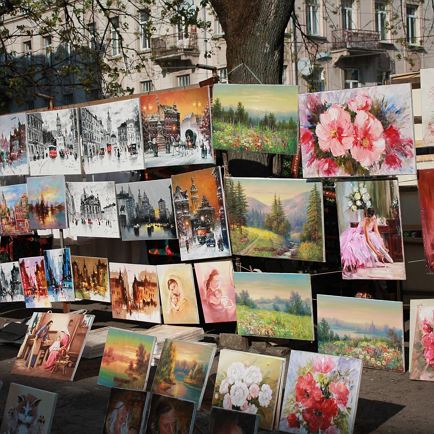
(134, 292)
(53, 345)
(13, 149)
(53, 141)
(217, 290)
(126, 360)
(276, 218)
(255, 118)
(250, 383)
(146, 210)
(34, 282)
(321, 394)
(91, 208)
(11, 289)
(370, 230)
(170, 415)
(178, 294)
(91, 278)
(125, 412)
(183, 369)
(177, 127)
(58, 272)
(426, 200)
(357, 132)
(200, 216)
(47, 202)
(229, 421)
(111, 137)
(276, 305)
(370, 330)
(427, 103)
(28, 410)
(14, 210)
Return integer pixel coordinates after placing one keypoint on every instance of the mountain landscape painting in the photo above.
(276, 218)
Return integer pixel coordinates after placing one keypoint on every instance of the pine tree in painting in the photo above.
(166, 367)
(312, 230)
(276, 221)
(205, 127)
(141, 358)
(241, 206)
(230, 200)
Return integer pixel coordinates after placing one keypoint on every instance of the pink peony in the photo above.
(306, 140)
(392, 136)
(426, 326)
(392, 161)
(254, 390)
(327, 167)
(335, 131)
(360, 102)
(313, 100)
(340, 392)
(307, 391)
(323, 364)
(227, 403)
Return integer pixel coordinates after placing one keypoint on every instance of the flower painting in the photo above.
(321, 394)
(357, 132)
(426, 199)
(427, 100)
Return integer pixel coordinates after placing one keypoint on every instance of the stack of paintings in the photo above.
(11, 288)
(58, 272)
(35, 288)
(14, 210)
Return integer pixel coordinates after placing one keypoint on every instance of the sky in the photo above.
(49, 119)
(127, 342)
(191, 351)
(104, 189)
(13, 193)
(55, 260)
(155, 190)
(53, 188)
(120, 111)
(9, 122)
(132, 270)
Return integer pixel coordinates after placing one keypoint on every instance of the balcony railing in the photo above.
(174, 45)
(355, 39)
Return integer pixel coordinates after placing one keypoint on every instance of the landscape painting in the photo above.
(126, 360)
(14, 210)
(13, 149)
(321, 394)
(276, 218)
(224, 421)
(426, 200)
(91, 278)
(255, 118)
(183, 369)
(11, 289)
(35, 288)
(134, 292)
(58, 272)
(370, 230)
(200, 216)
(427, 103)
(47, 202)
(358, 132)
(369, 330)
(146, 210)
(111, 137)
(177, 127)
(276, 305)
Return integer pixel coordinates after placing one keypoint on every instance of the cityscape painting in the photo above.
(58, 272)
(111, 137)
(10, 283)
(53, 141)
(177, 127)
(134, 292)
(35, 289)
(91, 208)
(14, 210)
(146, 210)
(199, 205)
(13, 149)
(47, 202)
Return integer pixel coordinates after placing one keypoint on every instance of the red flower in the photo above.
(293, 421)
(306, 140)
(307, 390)
(340, 392)
(327, 167)
(392, 136)
(393, 161)
(320, 415)
(323, 364)
(426, 327)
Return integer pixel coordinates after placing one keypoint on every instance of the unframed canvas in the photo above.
(58, 272)
(427, 103)
(426, 200)
(14, 210)
(11, 289)
(35, 288)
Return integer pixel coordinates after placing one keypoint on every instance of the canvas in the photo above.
(255, 118)
(217, 291)
(426, 200)
(11, 289)
(357, 132)
(92, 210)
(167, 412)
(126, 360)
(134, 292)
(111, 137)
(146, 210)
(13, 149)
(35, 288)
(250, 383)
(321, 394)
(229, 421)
(91, 278)
(177, 127)
(276, 218)
(53, 142)
(370, 330)
(53, 345)
(47, 202)
(14, 210)
(370, 230)
(427, 103)
(183, 370)
(200, 217)
(178, 294)
(28, 410)
(58, 272)
(276, 305)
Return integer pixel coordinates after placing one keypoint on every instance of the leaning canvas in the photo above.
(276, 218)
(35, 288)
(321, 394)
(28, 410)
(11, 289)
(14, 210)
(370, 230)
(58, 272)
(224, 421)
(370, 330)
(277, 305)
(255, 118)
(357, 132)
(177, 127)
(426, 200)
(427, 103)
(53, 345)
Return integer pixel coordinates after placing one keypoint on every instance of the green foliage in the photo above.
(297, 306)
(236, 203)
(166, 367)
(276, 221)
(244, 299)
(310, 251)
(312, 229)
(325, 333)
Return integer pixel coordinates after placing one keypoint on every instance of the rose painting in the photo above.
(357, 132)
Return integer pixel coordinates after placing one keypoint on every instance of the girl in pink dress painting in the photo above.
(56, 350)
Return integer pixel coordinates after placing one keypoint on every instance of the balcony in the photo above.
(363, 40)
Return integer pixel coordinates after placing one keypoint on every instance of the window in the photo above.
(145, 41)
(381, 20)
(27, 48)
(115, 39)
(48, 49)
(223, 74)
(318, 79)
(351, 78)
(347, 15)
(91, 30)
(68, 98)
(184, 80)
(312, 17)
(412, 24)
(146, 86)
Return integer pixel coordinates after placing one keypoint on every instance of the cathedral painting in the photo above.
(14, 210)
(58, 272)
(32, 271)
